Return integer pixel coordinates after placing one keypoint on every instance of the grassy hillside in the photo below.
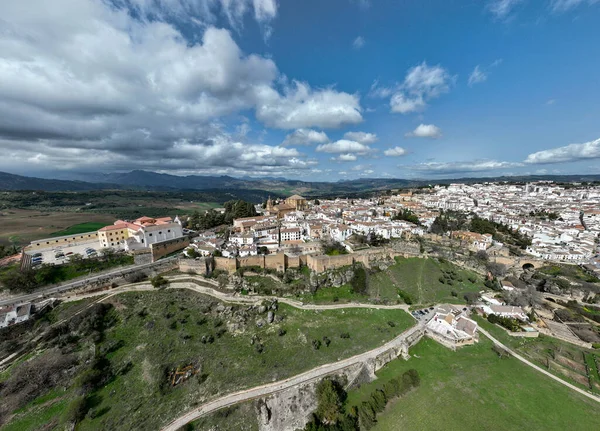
(566, 360)
(420, 280)
(155, 332)
(473, 389)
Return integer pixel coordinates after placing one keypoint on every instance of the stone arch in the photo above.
(528, 265)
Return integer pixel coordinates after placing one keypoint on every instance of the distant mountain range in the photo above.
(145, 180)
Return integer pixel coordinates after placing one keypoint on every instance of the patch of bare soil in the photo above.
(570, 374)
(574, 365)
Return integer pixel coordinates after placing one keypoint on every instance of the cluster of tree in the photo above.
(544, 214)
(493, 283)
(159, 282)
(211, 218)
(6, 250)
(29, 280)
(499, 231)
(512, 325)
(405, 297)
(360, 282)
(371, 239)
(589, 311)
(333, 248)
(449, 276)
(331, 415)
(471, 297)
(448, 221)
(407, 215)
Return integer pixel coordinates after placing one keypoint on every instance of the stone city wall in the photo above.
(164, 248)
(318, 263)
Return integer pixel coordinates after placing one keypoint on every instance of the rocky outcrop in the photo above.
(292, 409)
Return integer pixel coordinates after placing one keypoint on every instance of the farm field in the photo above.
(156, 332)
(20, 227)
(420, 279)
(473, 388)
(79, 228)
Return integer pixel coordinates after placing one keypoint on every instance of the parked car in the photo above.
(36, 255)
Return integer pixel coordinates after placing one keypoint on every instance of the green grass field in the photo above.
(420, 279)
(164, 329)
(79, 228)
(563, 359)
(473, 389)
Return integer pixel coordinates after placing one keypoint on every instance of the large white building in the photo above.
(140, 233)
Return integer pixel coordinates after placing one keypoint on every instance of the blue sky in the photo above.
(314, 90)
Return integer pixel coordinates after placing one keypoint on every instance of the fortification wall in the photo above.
(164, 248)
(198, 266)
(318, 263)
(226, 264)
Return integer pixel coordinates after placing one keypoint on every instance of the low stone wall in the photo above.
(524, 334)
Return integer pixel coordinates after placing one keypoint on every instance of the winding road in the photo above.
(201, 285)
(299, 379)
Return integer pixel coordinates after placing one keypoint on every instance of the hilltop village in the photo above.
(541, 220)
(350, 285)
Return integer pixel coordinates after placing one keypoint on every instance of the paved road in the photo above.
(541, 370)
(272, 388)
(76, 284)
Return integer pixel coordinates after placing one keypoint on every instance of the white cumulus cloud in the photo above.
(362, 137)
(344, 146)
(395, 152)
(568, 153)
(422, 83)
(425, 131)
(348, 157)
(305, 137)
(301, 106)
